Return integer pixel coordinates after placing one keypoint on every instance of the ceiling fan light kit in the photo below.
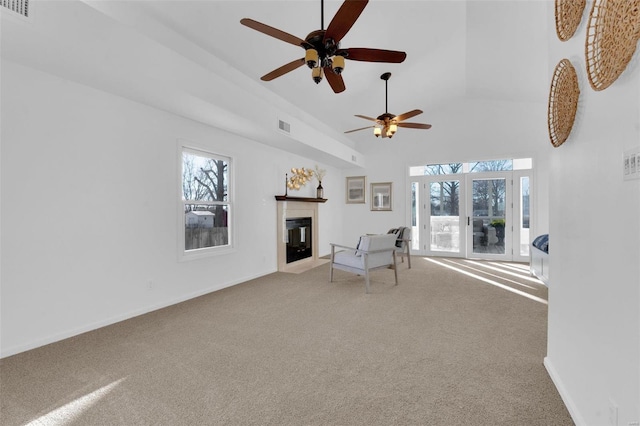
(322, 47)
(387, 124)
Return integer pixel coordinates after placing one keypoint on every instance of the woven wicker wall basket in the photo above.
(568, 17)
(612, 34)
(563, 102)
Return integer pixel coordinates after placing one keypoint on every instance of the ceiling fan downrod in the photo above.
(386, 76)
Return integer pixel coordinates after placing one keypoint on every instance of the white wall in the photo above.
(90, 214)
(594, 326)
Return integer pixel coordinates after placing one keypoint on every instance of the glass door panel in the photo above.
(524, 216)
(415, 217)
(444, 200)
(488, 216)
(522, 220)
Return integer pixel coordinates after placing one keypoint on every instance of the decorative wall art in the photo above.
(568, 17)
(356, 189)
(612, 34)
(381, 194)
(563, 102)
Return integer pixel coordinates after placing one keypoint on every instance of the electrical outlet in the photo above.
(150, 285)
(613, 413)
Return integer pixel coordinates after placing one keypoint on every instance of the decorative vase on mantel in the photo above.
(319, 190)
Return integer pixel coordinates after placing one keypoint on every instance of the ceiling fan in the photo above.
(387, 124)
(322, 47)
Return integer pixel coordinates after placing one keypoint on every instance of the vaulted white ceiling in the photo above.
(456, 51)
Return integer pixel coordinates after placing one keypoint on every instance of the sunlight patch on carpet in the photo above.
(490, 274)
(68, 412)
(515, 274)
(488, 281)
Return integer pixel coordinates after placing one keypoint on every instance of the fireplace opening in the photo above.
(299, 244)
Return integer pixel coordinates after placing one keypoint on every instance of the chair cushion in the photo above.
(369, 243)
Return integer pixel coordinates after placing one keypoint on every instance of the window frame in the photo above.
(184, 146)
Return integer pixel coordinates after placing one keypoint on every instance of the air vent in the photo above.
(284, 126)
(20, 7)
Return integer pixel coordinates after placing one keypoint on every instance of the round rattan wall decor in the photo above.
(563, 102)
(568, 17)
(612, 33)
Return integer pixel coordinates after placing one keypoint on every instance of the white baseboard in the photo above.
(5, 352)
(562, 390)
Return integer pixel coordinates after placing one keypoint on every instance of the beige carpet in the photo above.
(441, 348)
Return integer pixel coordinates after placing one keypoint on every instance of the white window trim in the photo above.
(184, 255)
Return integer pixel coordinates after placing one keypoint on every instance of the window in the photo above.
(491, 166)
(206, 203)
(436, 169)
(471, 167)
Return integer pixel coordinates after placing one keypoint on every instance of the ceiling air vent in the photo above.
(284, 126)
(20, 7)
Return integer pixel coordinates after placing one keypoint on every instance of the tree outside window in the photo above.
(206, 200)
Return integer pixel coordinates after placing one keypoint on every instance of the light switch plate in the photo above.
(631, 164)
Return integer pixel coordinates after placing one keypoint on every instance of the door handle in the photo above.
(468, 220)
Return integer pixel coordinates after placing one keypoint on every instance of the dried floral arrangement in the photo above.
(319, 173)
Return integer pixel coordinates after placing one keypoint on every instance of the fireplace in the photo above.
(299, 239)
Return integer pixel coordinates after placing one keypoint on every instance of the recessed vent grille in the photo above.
(284, 126)
(21, 7)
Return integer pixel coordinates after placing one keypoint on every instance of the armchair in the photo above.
(373, 252)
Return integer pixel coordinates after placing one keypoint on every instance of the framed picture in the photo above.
(356, 186)
(381, 194)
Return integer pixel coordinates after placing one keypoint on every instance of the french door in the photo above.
(438, 217)
(488, 218)
(474, 215)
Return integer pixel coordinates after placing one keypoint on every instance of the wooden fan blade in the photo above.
(415, 125)
(367, 118)
(372, 55)
(361, 128)
(335, 80)
(344, 19)
(283, 70)
(274, 32)
(408, 114)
